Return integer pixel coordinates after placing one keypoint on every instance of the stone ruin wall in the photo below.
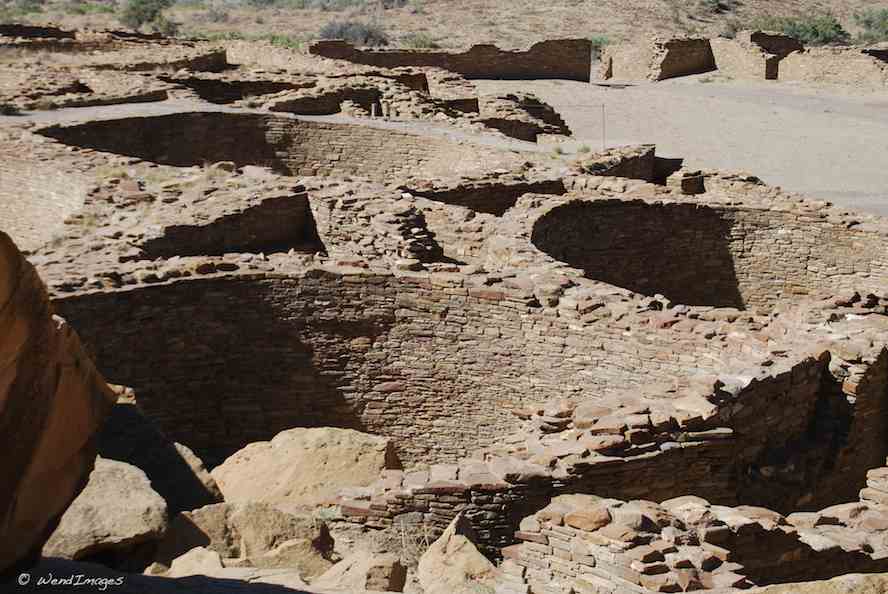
(413, 358)
(684, 544)
(841, 66)
(657, 59)
(33, 31)
(288, 145)
(569, 59)
(752, 55)
(722, 464)
(749, 257)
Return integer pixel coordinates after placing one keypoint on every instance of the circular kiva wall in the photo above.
(698, 254)
(288, 145)
(220, 363)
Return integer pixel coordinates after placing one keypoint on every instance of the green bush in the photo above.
(818, 29)
(355, 32)
(874, 22)
(8, 109)
(419, 41)
(284, 41)
(78, 7)
(141, 13)
(598, 42)
(217, 14)
(18, 8)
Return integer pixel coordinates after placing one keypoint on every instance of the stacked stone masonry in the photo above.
(569, 59)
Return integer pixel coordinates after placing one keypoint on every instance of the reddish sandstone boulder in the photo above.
(52, 402)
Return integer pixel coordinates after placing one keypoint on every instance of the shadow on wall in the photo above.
(181, 140)
(277, 224)
(220, 364)
(224, 91)
(128, 436)
(823, 459)
(681, 251)
(287, 145)
(491, 197)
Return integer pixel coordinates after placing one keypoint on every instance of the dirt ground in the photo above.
(827, 143)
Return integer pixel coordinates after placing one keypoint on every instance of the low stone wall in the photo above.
(731, 456)
(604, 546)
(657, 59)
(569, 59)
(841, 66)
(744, 61)
(632, 162)
(34, 31)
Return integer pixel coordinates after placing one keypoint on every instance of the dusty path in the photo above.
(822, 143)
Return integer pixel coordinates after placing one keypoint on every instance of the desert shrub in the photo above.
(8, 109)
(731, 28)
(139, 13)
(15, 9)
(817, 29)
(78, 7)
(598, 42)
(419, 41)
(219, 35)
(408, 538)
(284, 41)
(333, 5)
(165, 26)
(874, 22)
(356, 32)
(217, 14)
(29, 6)
(719, 6)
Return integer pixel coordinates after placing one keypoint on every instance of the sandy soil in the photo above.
(825, 143)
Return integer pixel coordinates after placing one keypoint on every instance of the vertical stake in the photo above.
(603, 123)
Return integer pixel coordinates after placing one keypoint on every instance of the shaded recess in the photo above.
(329, 101)
(228, 91)
(681, 251)
(804, 443)
(128, 436)
(242, 361)
(490, 197)
(276, 224)
(287, 145)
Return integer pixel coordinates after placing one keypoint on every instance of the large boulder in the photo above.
(304, 467)
(176, 473)
(452, 564)
(117, 511)
(250, 534)
(363, 570)
(197, 561)
(52, 402)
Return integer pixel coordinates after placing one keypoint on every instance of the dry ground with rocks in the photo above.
(459, 23)
(344, 320)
